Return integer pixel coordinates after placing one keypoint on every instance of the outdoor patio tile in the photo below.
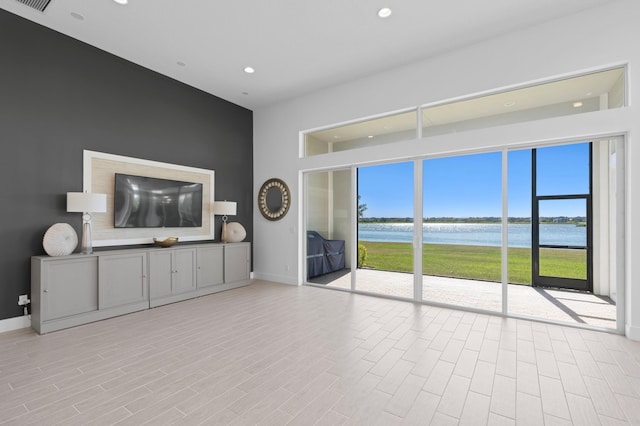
(555, 305)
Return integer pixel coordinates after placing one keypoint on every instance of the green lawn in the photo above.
(474, 262)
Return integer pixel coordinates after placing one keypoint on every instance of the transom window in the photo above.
(576, 95)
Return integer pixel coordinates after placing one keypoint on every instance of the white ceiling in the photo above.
(296, 46)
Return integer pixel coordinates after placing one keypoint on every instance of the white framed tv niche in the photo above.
(99, 170)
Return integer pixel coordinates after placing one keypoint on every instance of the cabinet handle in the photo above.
(45, 291)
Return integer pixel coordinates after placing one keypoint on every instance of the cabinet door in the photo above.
(210, 266)
(184, 271)
(69, 287)
(123, 279)
(237, 260)
(160, 273)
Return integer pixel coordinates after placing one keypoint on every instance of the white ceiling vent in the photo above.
(40, 5)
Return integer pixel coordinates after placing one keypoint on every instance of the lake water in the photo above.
(477, 234)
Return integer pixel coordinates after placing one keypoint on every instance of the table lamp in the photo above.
(224, 208)
(86, 203)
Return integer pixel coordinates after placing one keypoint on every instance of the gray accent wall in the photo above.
(58, 97)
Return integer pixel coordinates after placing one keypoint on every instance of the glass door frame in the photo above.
(538, 280)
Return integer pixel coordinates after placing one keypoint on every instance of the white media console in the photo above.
(72, 290)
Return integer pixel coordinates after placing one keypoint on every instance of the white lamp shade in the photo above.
(223, 208)
(85, 202)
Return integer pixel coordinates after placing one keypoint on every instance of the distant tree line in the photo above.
(487, 219)
(362, 207)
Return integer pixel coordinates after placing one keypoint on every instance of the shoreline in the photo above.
(472, 261)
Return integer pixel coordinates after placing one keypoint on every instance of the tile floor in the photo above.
(549, 304)
(275, 354)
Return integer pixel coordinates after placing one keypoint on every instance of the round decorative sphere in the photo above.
(235, 232)
(60, 240)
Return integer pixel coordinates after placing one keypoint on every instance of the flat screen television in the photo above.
(146, 202)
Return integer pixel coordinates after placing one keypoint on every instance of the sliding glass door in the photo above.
(552, 229)
(462, 235)
(495, 231)
(562, 249)
(385, 230)
(562, 225)
(329, 225)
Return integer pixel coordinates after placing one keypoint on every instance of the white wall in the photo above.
(591, 40)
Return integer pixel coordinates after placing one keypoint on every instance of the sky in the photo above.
(470, 185)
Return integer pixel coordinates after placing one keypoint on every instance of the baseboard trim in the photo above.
(632, 332)
(15, 323)
(283, 279)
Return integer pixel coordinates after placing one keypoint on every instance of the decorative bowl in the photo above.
(167, 242)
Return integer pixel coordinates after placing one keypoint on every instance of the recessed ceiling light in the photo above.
(509, 104)
(121, 1)
(385, 12)
(77, 16)
(249, 70)
(182, 64)
(577, 104)
(370, 136)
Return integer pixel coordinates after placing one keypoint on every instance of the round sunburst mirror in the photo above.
(274, 199)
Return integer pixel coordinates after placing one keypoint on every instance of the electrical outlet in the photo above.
(23, 300)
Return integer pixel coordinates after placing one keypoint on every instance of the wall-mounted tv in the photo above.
(146, 202)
